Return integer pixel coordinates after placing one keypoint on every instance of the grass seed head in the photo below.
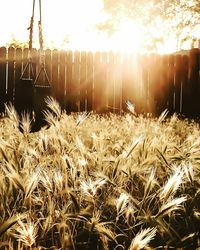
(143, 238)
(26, 233)
(171, 206)
(121, 203)
(172, 185)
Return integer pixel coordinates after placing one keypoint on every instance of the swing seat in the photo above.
(27, 81)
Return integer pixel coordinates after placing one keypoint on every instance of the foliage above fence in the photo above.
(105, 81)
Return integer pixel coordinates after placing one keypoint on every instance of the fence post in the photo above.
(2, 78)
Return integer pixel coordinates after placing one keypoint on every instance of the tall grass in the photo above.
(99, 182)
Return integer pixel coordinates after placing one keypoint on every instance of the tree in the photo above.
(175, 17)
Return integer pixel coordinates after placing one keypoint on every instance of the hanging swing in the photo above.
(34, 88)
(41, 84)
(24, 87)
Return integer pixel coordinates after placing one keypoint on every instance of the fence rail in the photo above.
(105, 81)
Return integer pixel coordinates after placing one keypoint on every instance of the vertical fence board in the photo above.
(178, 76)
(171, 77)
(2, 78)
(48, 64)
(145, 82)
(69, 83)
(55, 79)
(194, 79)
(153, 77)
(76, 82)
(104, 82)
(185, 86)
(118, 83)
(83, 82)
(62, 78)
(90, 78)
(111, 83)
(18, 71)
(158, 85)
(98, 79)
(11, 75)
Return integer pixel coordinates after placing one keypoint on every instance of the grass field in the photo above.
(99, 182)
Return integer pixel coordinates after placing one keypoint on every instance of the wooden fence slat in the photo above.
(118, 83)
(194, 81)
(111, 83)
(158, 86)
(18, 71)
(55, 78)
(76, 82)
(145, 82)
(83, 82)
(185, 86)
(125, 82)
(62, 79)
(11, 74)
(69, 83)
(2, 78)
(104, 82)
(171, 77)
(177, 84)
(48, 64)
(90, 79)
(98, 86)
(100, 65)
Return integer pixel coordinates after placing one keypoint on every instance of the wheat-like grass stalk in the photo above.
(130, 107)
(54, 106)
(171, 206)
(25, 123)
(142, 239)
(171, 185)
(26, 232)
(12, 114)
(121, 204)
(189, 171)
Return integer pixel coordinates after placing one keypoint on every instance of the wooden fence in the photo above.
(105, 81)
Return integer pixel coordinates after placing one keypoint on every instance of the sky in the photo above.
(61, 19)
(72, 24)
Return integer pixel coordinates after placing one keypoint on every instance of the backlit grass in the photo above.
(99, 182)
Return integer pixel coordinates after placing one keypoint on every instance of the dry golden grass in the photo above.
(99, 182)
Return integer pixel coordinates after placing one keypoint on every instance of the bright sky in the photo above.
(71, 24)
(61, 18)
